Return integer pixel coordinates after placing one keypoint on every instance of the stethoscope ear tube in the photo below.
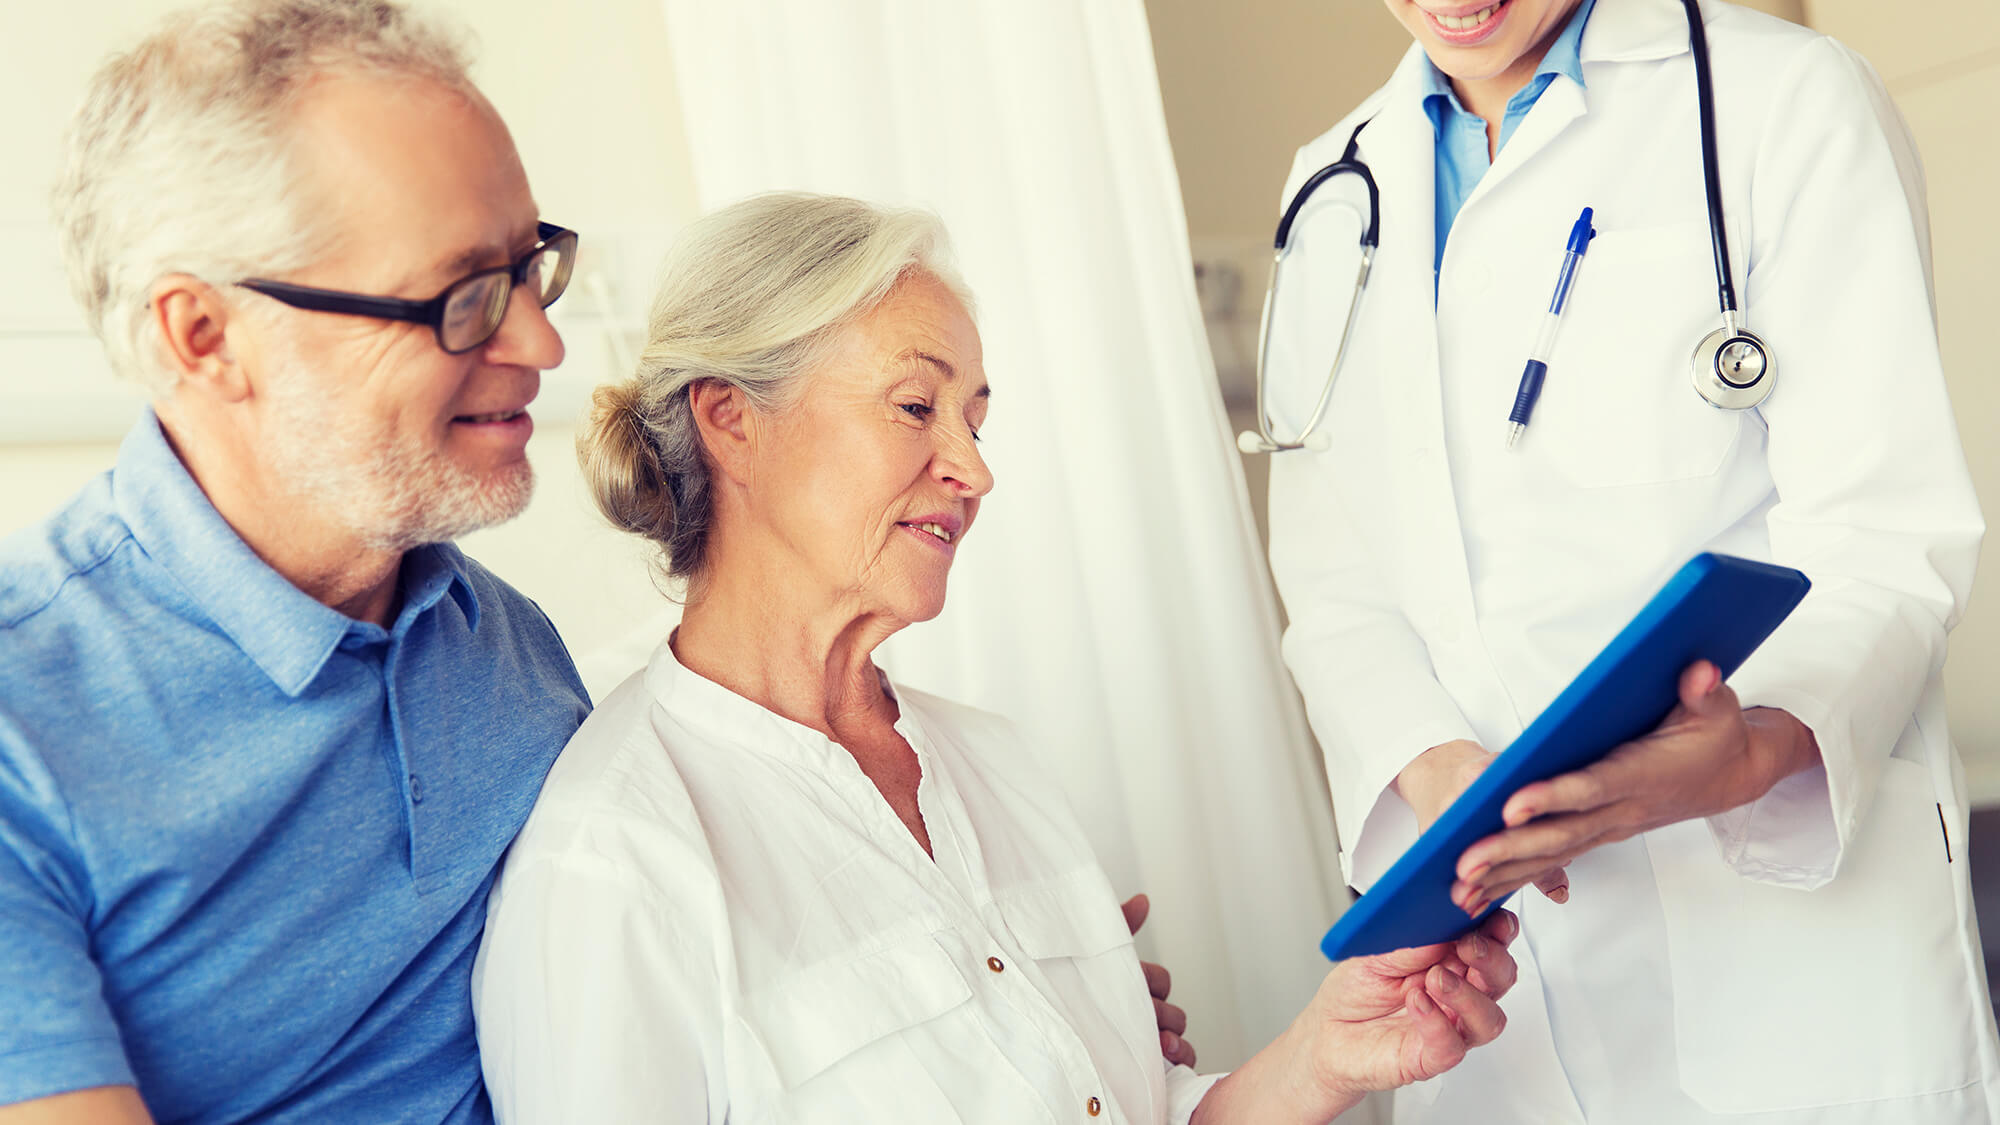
(1346, 165)
(1264, 440)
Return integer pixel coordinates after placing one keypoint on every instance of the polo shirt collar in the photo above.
(281, 628)
(1564, 59)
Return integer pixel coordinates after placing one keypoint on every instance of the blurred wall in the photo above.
(1246, 85)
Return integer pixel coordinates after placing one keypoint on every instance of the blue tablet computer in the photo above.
(1716, 608)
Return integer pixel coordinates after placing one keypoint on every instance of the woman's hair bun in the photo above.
(620, 459)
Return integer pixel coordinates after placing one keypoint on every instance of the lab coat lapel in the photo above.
(1401, 145)
(1624, 31)
(1636, 31)
(1560, 105)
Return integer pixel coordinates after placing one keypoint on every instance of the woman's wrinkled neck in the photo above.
(795, 652)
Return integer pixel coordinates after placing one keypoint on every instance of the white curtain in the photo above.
(1112, 601)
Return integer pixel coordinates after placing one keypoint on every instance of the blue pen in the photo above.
(1538, 360)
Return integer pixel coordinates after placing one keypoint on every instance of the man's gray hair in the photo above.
(754, 296)
(182, 159)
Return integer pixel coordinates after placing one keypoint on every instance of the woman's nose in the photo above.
(959, 464)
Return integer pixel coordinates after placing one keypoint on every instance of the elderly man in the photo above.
(264, 735)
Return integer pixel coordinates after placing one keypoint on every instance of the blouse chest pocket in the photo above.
(1619, 408)
(1073, 917)
(1071, 928)
(815, 1017)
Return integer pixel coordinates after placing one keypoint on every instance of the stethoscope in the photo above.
(1732, 368)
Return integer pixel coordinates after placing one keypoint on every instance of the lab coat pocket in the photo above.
(1618, 408)
(814, 1018)
(1787, 999)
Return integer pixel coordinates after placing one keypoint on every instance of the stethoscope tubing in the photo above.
(1711, 174)
(1347, 165)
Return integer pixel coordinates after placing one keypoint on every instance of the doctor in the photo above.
(1762, 909)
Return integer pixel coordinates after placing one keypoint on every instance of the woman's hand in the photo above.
(1709, 756)
(1376, 1023)
(1382, 1022)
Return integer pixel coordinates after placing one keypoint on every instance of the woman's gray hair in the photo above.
(754, 296)
(182, 159)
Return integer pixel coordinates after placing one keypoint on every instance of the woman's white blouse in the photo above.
(712, 914)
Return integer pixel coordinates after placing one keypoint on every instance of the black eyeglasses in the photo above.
(469, 311)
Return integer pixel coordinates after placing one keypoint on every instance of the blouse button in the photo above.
(1094, 1107)
(996, 964)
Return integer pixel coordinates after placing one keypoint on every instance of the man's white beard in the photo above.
(393, 493)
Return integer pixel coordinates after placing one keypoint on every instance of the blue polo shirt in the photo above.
(246, 841)
(1461, 134)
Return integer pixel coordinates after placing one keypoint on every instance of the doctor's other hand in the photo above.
(1435, 778)
(1708, 756)
(1376, 1023)
(1172, 1021)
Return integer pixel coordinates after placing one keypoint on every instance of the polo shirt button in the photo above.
(416, 790)
(1093, 1107)
(996, 964)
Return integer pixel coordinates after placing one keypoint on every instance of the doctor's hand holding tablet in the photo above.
(1754, 196)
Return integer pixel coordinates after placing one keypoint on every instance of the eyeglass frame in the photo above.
(431, 312)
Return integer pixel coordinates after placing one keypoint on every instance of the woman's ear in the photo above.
(723, 417)
(190, 322)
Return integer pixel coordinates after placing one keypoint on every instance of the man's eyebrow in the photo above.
(484, 256)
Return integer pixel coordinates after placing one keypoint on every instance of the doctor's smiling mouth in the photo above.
(1480, 38)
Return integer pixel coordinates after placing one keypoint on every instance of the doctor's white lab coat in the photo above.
(1808, 958)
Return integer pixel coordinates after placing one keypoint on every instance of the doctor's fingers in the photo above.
(1503, 877)
(1615, 778)
(1554, 840)
(1159, 982)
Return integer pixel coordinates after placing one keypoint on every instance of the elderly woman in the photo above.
(764, 882)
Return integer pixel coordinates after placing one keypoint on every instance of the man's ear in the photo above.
(190, 319)
(727, 424)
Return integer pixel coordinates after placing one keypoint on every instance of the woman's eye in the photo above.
(915, 409)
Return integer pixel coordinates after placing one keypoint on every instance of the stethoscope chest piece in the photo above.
(1733, 368)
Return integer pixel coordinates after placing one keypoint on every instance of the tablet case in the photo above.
(1717, 608)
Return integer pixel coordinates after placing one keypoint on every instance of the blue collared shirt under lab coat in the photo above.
(246, 841)
(1461, 134)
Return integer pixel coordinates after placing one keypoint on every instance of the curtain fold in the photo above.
(1113, 600)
